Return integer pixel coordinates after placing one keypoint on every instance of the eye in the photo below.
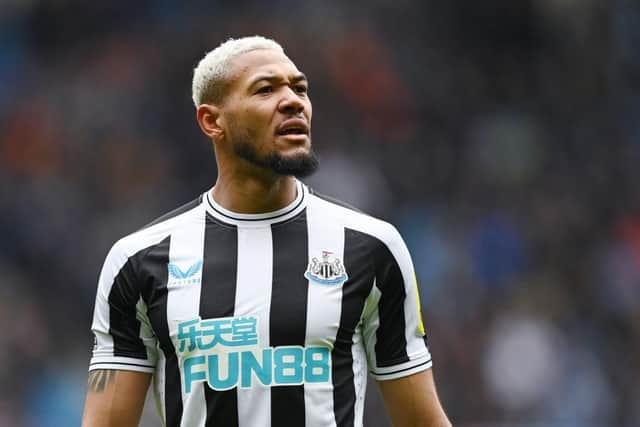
(301, 88)
(265, 89)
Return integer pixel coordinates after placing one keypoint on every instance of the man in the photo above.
(260, 303)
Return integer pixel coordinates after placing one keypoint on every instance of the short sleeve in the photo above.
(393, 331)
(124, 338)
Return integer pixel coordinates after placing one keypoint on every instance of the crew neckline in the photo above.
(266, 218)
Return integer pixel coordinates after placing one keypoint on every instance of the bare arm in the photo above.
(115, 398)
(412, 401)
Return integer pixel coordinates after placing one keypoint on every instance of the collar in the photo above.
(260, 219)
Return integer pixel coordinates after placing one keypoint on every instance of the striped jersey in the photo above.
(261, 319)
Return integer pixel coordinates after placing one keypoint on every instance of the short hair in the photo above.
(210, 77)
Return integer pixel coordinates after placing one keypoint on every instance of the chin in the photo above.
(292, 148)
(293, 152)
(301, 163)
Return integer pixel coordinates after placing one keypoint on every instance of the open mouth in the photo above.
(292, 131)
(293, 126)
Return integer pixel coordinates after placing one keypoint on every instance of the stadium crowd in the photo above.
(502, 138)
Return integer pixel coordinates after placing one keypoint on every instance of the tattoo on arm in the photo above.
(100, 379)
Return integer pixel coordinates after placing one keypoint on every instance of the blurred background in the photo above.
(501, 137)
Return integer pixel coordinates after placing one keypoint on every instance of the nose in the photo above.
(290, 103)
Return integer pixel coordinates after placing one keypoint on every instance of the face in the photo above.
(266, 113)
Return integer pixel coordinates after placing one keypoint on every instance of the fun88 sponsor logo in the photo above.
(224, 352)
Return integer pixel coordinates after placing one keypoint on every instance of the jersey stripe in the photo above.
(123, 324)
(391, 347)
(288, 317)
(323, 313)
(156, 298)
(253, 298)
(360, 376)
(186, 255)
(355, 292)
(217, 299)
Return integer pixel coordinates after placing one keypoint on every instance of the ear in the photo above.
(209, 119)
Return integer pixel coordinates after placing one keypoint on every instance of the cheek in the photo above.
(245, 134)
(258, 117)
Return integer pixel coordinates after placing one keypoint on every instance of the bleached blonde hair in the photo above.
(210, 76)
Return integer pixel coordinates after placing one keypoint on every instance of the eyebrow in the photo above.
(272, 79)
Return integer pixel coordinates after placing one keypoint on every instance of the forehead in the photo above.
(261, 62)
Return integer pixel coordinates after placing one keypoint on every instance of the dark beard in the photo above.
(300, 166)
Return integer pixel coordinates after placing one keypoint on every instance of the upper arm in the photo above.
(413, 401)
(115, 398)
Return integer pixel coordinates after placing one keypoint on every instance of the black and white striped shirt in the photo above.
(261, 320)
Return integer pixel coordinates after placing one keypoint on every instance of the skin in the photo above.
(115, 398)
(265, 90)
(412, 401)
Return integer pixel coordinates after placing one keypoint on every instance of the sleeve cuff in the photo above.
(121, 363)
(402, 370)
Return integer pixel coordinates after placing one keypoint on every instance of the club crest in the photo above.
(328, 271)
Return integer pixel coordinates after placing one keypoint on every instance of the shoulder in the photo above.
(351, 218)
(159, 229)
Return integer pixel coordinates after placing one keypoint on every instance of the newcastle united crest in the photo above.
(329, 271)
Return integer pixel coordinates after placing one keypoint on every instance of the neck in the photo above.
(251, 194)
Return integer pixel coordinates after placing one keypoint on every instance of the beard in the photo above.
(300, 166)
